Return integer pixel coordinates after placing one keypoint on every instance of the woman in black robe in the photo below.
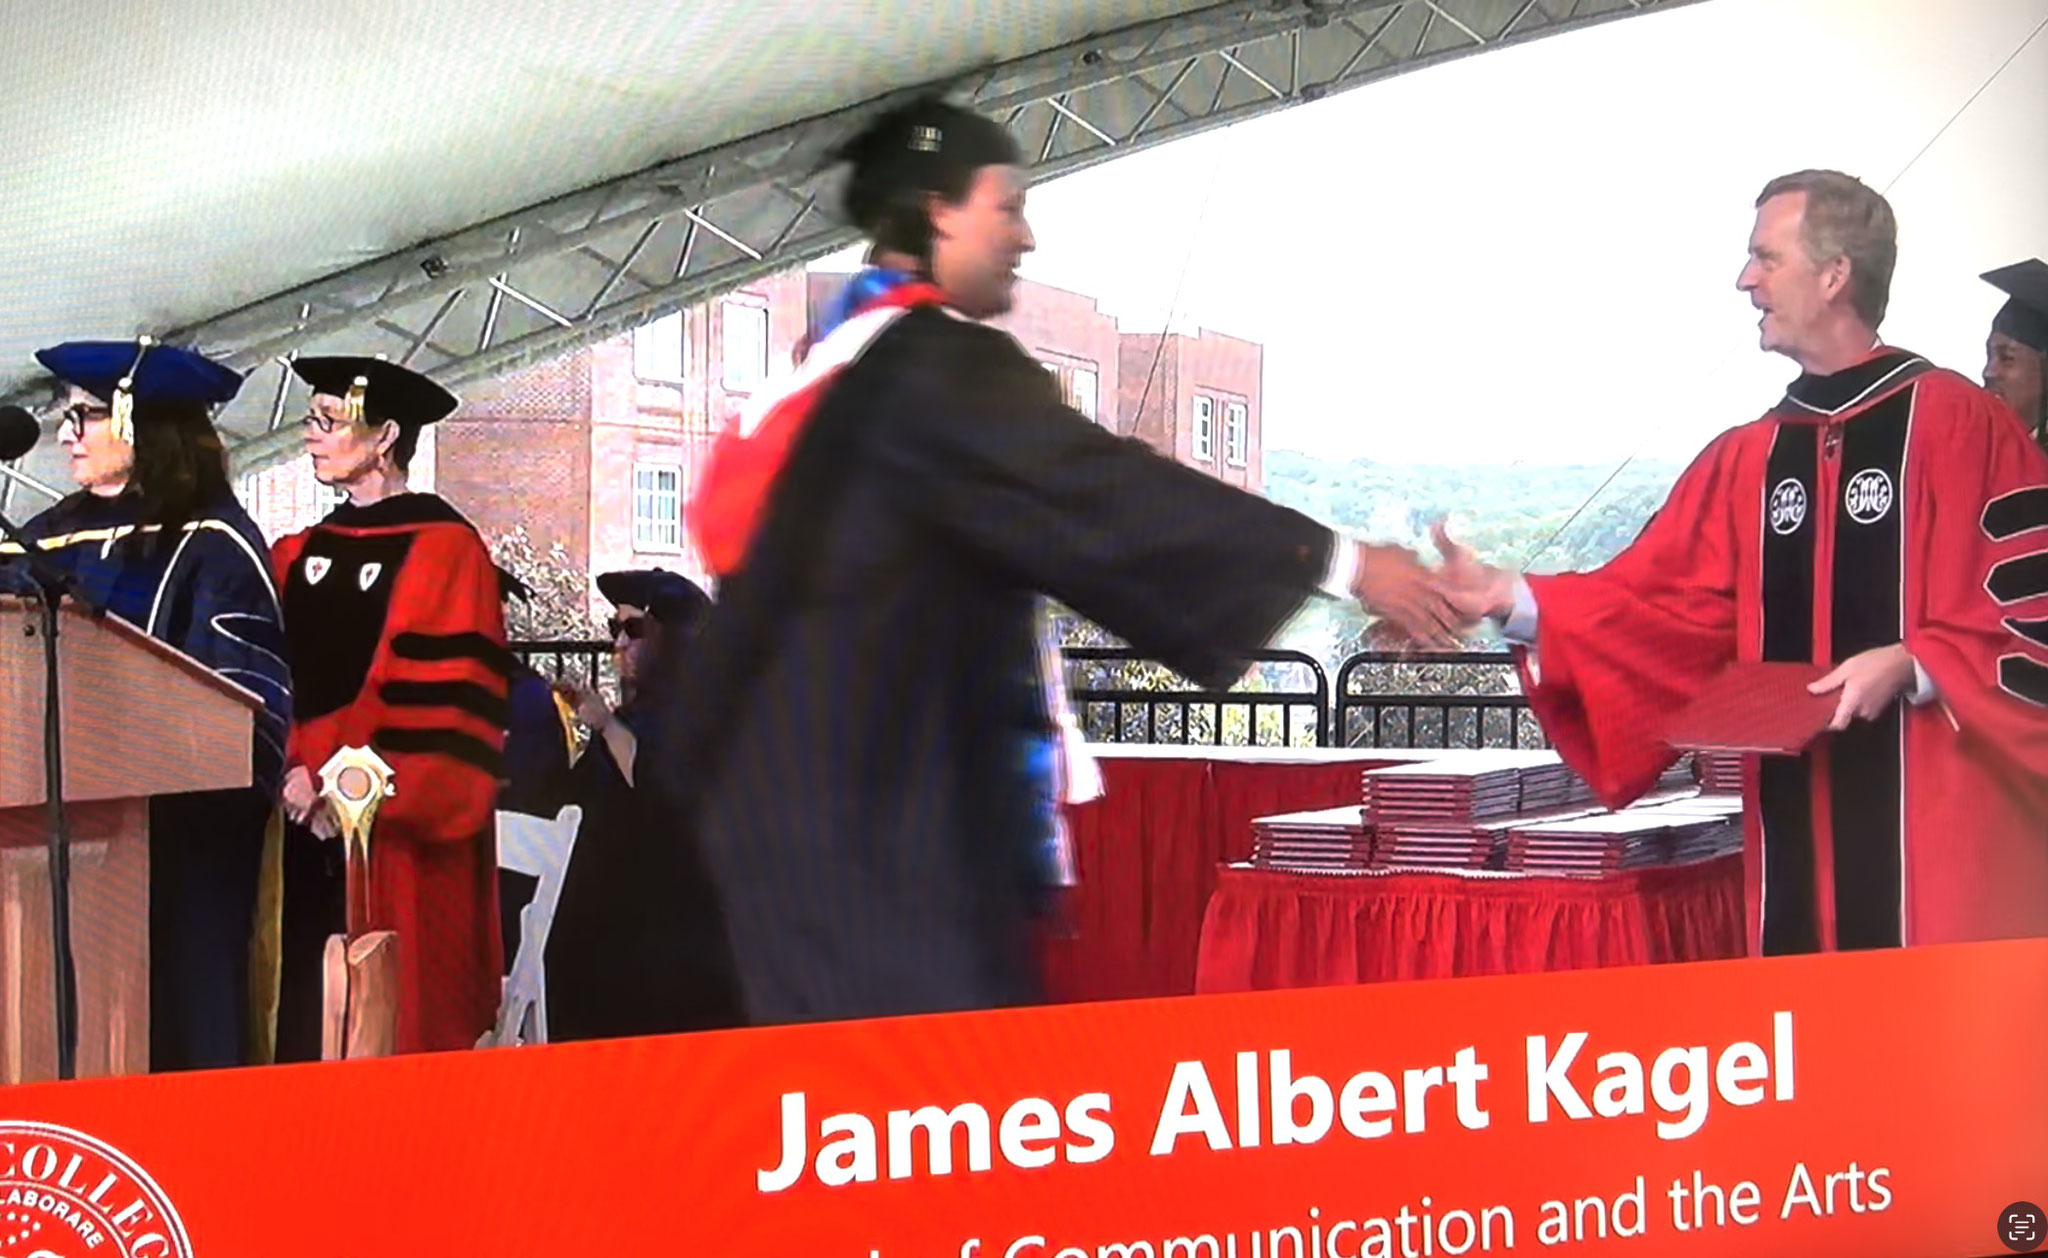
(637, 946)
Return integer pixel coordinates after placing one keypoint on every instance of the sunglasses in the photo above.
(635, 628)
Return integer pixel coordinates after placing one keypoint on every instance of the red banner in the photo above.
(1877, 1103)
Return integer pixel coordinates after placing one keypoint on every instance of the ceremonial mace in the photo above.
(359, 1015)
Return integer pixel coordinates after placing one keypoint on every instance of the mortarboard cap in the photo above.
(378, 389)
(120, 373)
(2025, 317)
(918, 148)
(669, 597)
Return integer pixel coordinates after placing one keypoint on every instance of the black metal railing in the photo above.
(1381, 699)
(1462, 699)
(1120, 697)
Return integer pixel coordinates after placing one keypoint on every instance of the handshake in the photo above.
(1438, 607)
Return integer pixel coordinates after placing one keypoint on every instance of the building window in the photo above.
(1081, 391)
(1236, 437)
(657, 507)
(1077, 385)
(1205, 429)
(744, 334)
(659, 354)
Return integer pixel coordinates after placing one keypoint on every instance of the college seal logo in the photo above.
(1868, 496)
(1788, 506)
(64, 1194)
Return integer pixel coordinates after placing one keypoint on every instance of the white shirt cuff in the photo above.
(1084, 776)
(1343, 569)
(1520, 626)
(1923, 687)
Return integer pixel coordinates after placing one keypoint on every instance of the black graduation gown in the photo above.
(845, 729)
(636, 946)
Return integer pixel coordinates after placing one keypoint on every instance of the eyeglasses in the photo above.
(325, 423)
(71, 421)
(635, 628)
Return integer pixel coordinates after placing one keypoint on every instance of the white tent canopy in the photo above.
(469, 188)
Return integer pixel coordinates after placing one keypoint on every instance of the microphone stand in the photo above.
(55, 584)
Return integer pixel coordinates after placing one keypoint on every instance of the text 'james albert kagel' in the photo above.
(1272, 1104)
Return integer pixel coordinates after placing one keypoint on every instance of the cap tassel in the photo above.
(123, 407)
(122, 404)
(352, 402)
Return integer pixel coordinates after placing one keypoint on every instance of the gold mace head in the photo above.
(355, 780)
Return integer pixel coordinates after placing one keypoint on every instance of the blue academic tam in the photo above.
(160, 373)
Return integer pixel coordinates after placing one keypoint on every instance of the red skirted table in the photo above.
(1270, 929)
(1148, 853)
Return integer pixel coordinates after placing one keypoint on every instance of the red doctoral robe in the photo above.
(1890, 502)
(398, 643)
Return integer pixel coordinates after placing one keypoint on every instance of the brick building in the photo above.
(597, 451)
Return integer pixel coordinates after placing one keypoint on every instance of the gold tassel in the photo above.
(123, 407)
(122, 404)
(352, 402)
(567, 713)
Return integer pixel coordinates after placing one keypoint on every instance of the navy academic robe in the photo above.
(844, 743)
(205, 590)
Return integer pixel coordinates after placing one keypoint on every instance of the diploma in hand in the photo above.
(1763, 708)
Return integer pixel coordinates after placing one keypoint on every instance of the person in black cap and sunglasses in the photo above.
(637, 946)
(856, 725)
(393, 608)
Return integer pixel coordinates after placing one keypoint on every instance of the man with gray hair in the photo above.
(1815, 536)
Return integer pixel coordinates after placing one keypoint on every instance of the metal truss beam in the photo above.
(583, 267)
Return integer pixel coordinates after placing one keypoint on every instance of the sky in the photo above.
(1530, 255)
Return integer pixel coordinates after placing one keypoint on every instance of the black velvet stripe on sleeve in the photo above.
(429, 648)
(464, 696)
(2018, 512)
(453, 744)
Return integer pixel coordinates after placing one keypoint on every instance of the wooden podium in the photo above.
(139, 719)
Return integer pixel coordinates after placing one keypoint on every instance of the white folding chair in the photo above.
(539, 848)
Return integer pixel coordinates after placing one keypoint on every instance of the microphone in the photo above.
(19, 432)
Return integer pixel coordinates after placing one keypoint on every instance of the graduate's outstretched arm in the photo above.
(1190, 570)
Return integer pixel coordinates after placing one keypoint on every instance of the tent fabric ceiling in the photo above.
(166, 162)
(166, 166)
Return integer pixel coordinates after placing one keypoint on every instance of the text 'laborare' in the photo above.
(1272, 1104)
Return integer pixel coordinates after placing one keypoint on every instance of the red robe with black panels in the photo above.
(1890, 502)
(398, 643)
